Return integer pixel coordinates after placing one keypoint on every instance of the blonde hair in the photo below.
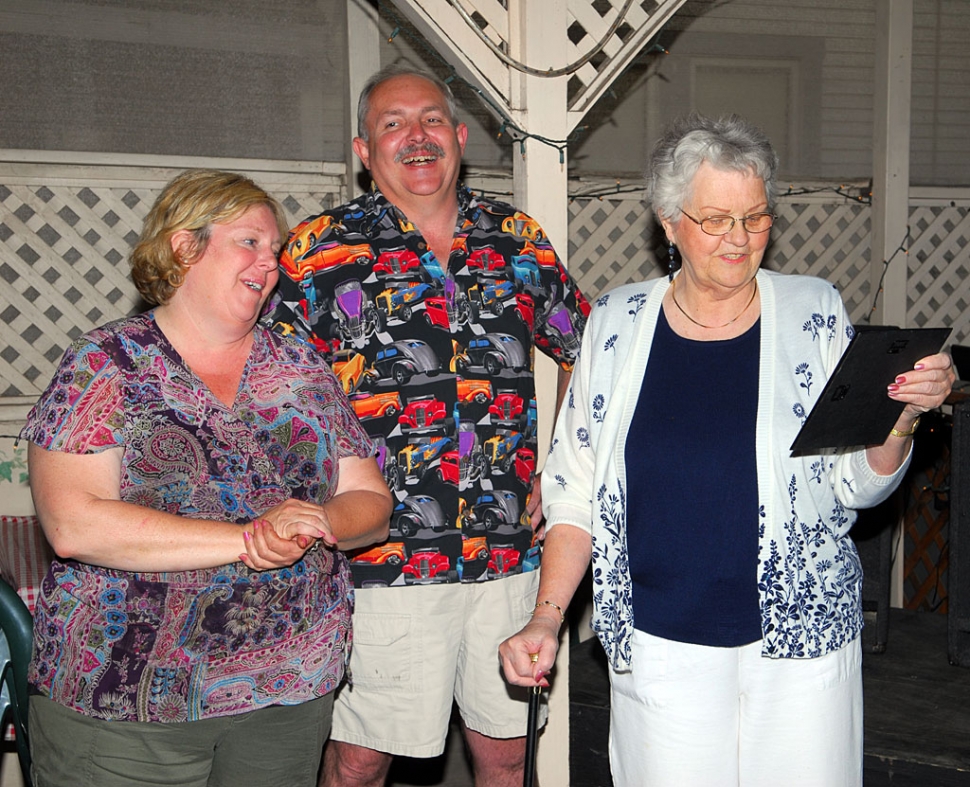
(193, 201)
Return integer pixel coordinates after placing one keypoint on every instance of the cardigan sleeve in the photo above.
(567, 479)
(855, 484)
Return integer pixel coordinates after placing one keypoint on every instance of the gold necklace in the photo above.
(673, 294)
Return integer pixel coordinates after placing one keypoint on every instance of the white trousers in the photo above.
(696, 716)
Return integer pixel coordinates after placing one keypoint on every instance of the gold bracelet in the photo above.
(562, 615)
(896, 433)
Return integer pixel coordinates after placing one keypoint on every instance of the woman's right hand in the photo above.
(527, 657)
(284, 533)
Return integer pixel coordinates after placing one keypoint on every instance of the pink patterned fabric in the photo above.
(24, 556)
(187, 645)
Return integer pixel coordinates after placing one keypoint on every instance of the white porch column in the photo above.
(891, 132)
(536, 33)
(890, 184)
(363, 59)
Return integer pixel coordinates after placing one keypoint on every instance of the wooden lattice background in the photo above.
(602, 38)
(65, 233)
(64, 243)
(926, 520)
(66, 230)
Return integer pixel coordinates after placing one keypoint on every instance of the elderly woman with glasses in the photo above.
(727, 592)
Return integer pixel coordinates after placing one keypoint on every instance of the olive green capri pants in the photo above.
(269, 747)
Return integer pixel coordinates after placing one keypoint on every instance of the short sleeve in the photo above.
(81, 411)
(352, 439)
(559, 327)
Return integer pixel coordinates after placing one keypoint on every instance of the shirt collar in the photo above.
(379, 209)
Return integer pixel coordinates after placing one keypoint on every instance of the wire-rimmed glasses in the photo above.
(722, 225)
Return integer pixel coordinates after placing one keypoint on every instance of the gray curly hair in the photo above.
(726, 143)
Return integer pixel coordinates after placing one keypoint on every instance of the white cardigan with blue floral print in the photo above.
(809, 575)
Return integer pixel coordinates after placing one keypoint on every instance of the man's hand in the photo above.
(533, 508)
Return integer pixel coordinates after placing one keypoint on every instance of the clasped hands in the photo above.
(283, 534)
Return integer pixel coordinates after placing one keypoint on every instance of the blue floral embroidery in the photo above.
(816, 471)
(612, 594)
(583, 436)
(598, 411)
(802, 370)
(611, 343)
(603, 300)
(799, 410)
(560, 480)
(819, 322)
(808, 611)
(639, 299)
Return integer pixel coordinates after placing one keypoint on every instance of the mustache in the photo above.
(432, 148)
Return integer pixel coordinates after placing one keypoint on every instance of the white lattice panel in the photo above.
(939, 269)
(611, 242)
(602, 39)
(64, 261)
(64, 246)
(830, 241)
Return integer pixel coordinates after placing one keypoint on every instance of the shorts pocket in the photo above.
(381, 653)
(522, 612)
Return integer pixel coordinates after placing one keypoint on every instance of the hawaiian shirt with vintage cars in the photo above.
(436, 358)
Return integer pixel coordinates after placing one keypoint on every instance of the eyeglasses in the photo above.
(722, 225)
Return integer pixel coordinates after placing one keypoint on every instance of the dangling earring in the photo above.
(672, 264)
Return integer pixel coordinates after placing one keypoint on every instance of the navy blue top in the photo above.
(692, 479)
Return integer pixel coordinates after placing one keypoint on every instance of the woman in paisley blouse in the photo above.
(197, 476)
(726, 587)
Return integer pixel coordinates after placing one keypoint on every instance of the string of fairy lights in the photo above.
(519, 136)
(508, 127)
(864, 198)
(516, 133)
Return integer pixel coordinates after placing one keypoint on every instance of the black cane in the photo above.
(532, 737)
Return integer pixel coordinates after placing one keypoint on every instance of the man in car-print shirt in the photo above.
(429, 302)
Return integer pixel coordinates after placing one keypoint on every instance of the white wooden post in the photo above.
(363, 59)
(890, 184)
(536, 35)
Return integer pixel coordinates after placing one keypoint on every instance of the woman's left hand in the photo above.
(266, 550)
(923, 388)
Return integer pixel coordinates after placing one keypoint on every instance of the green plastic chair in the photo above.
(18, 628)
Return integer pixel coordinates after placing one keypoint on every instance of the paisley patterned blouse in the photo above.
(188, 645)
